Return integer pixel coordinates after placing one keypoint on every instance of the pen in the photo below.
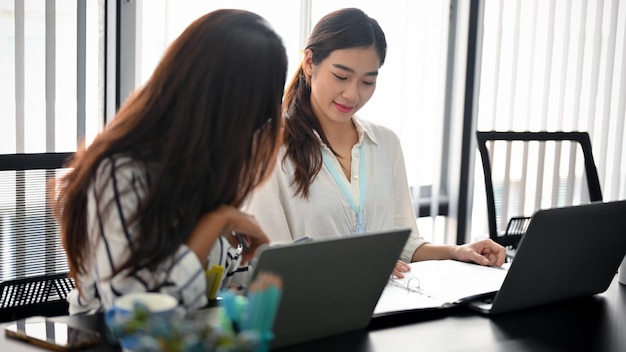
(242, 241)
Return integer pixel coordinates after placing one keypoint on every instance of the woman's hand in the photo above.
(226, 221)
(484, 252)
(401, 267)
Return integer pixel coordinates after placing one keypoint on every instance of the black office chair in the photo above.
(43, 295)
(528, 171)
(33, 265)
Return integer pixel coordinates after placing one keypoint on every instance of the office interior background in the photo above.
(453, 67)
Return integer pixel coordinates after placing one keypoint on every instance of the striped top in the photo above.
(122, 182)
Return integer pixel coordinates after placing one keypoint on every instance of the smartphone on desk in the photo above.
(52, 335)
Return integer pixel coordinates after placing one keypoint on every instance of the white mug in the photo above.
(159, 305)
(622, 272)
(156, 303)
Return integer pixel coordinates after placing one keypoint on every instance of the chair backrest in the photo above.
(528, 171)
(43, 295)
(33, 264)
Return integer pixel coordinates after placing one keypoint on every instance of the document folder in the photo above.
(435, 284)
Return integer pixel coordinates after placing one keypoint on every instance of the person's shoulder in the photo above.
(377, 132)
(118, 162)
(120, 166)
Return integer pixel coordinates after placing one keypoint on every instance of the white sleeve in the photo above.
(267, 205)
(405, 218)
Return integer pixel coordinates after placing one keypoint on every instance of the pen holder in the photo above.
(140, 329)
(133, 314)
(253, 315)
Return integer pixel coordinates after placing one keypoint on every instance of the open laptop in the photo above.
(329, 286)
(565, 253)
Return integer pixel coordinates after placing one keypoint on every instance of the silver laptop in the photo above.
(329, 286)
(565, 253)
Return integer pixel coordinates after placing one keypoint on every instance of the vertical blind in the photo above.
(50, 102)
(556, 66)
(50, 66)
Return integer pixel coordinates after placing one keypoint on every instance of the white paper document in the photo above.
(438, 284)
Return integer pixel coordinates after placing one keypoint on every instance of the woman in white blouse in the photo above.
(338, 174)
(154, 200)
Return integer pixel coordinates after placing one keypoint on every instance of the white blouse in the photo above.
(327, 213)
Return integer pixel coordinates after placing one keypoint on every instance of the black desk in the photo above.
(596, 323)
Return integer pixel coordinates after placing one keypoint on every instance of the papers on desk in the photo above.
(438, 284)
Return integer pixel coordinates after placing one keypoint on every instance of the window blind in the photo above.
(50, 63)
(556, 66)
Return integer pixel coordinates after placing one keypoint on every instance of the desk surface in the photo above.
(596, 323)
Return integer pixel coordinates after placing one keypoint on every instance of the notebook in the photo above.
(330, 286)
(566, 253)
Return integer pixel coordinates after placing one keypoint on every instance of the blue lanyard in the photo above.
(341, 181)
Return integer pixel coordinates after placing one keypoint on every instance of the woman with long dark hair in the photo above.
(154, 199)
(337, 173)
